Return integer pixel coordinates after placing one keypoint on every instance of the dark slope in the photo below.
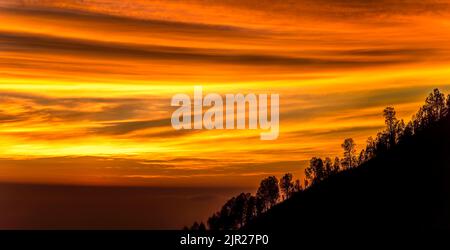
(406, 188)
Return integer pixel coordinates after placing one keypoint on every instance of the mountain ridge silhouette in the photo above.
(405, 188)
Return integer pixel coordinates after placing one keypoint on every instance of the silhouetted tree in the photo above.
(202, 227)
(328, 167)
(239, 208)
(419, 120)
(336, 165)
(434, 109)
(362, 157)
(214, 222)
(349, 147)
(227, 216)
(370, 148)
(316, 171)
(268, 192)
(391, 122)
(435, 105)
(382, 142)
(195, 226)
(234, 213)
(408, 131)
(399, 130)
(250, 210)
(260, 205)
(286, 185)
(306, 183)
(447, 105)
(297, 186)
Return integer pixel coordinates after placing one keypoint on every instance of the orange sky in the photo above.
(85, 86)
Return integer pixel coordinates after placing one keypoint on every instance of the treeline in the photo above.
(241, 209)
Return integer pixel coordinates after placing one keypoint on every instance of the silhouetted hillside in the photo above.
(399, 182)
(405, 188)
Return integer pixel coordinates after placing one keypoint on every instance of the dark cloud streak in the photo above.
(27, 43)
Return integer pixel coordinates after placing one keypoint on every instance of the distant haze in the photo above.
(78, 207)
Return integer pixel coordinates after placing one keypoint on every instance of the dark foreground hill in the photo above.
(406, 188)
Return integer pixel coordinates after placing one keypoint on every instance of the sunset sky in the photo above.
(85, 85)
